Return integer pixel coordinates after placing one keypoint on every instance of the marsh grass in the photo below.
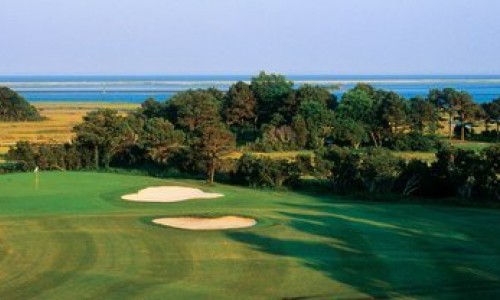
(60, 118)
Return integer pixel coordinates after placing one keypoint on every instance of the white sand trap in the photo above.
(228, 222)
(169, 194)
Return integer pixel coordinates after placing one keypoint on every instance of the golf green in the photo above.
(70, 236)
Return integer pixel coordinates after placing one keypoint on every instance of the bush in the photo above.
(305, 164)
(487, 136)
(414, 141)
(373, 171)
(11, 167)
(414, 179)
(46, 156)
(265, 172)
(345, 166)
(276, 139)
(467, 174)
(379, 170)
(492, 155)
(25, 154)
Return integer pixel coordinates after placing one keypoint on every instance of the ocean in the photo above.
(135, 89)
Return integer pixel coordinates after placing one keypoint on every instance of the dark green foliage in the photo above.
(316, 94)
(159, 139)
(11, 167)
(305, 164)
(239, 111)
(153, 109)
(13, 107)
(273, 138)
(487, 136)
(191, 133)
(347, 132)
(423, 115)
(300, 127)
(191, 109)
(377, 110)
(265, 172)
(318, 119)
(413, 141)
(344, 166)
(217, 94)
(466, 173)
(415, 179)
(271, 91)
(379, 170)
(492, 155)
(105, 133)
(473, 175)
(357, 104)
(492, 113)
(47, 157)
(186, 160)
(373, 171)
(391, 112)
(23, 153)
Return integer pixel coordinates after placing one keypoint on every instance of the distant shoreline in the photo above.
(137, 88)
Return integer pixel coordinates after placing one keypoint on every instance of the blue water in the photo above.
(135, 89)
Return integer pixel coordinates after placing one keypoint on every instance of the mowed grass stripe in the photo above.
(71, 237)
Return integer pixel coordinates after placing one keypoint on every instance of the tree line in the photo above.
(193, 131)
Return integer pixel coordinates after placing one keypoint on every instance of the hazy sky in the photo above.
(245, 36)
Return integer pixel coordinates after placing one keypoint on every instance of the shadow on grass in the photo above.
(380, 254)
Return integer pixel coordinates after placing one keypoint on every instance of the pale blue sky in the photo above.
(245, 36)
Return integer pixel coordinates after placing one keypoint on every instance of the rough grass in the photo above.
(469, 145)
(56, 128)
(71, 237)
(428, 157)
(288, 155)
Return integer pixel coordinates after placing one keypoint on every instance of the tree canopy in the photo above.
(192, 133)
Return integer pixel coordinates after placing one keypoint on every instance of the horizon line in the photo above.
(247, 74)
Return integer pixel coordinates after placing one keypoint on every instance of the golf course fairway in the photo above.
(70, 236)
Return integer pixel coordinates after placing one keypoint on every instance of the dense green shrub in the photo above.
(305, 164)
(379, 170)
(23, 153)
(265, 172)
(492, 155)
(345, 167)
(372, 171)
(487, 136)
(11, 167)
(466, 174)
(47, 157)
(413, 141)
(273, 138)
(415, 179)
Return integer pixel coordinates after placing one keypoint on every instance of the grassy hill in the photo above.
(69, 236)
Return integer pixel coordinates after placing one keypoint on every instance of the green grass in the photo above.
(470, 145)
(71, 237)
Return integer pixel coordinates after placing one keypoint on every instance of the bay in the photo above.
(135, 89)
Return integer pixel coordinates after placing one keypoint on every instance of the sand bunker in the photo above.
(228, 222)
(169, 194)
